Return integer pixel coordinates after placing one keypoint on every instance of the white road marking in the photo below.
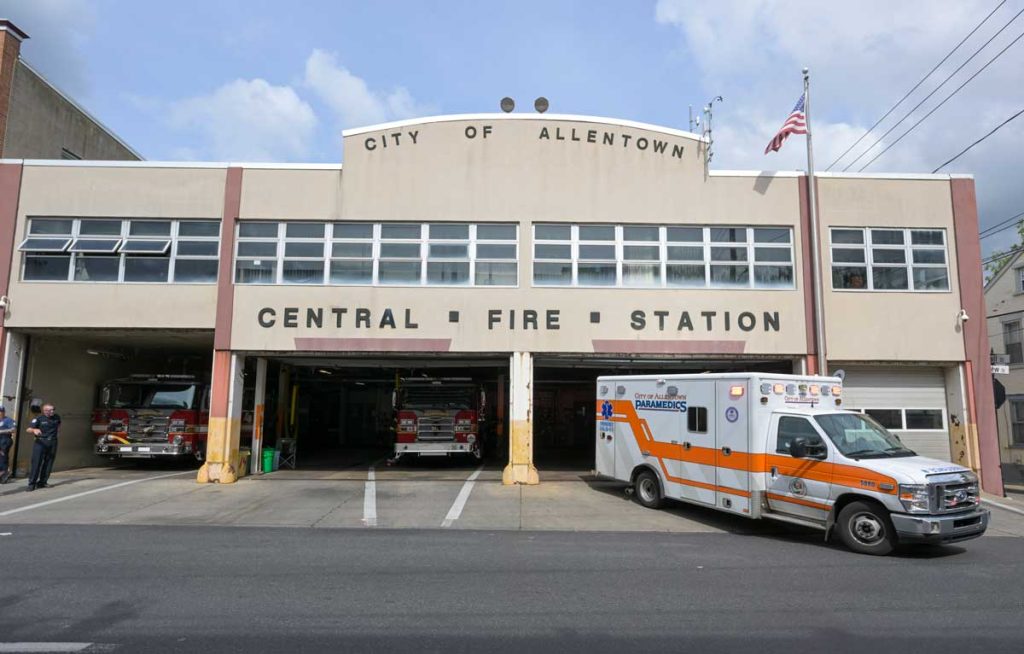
(370, 500)
(44, 647)
(7, 533)
(90, 492)
(460, 500)
(1004, 507)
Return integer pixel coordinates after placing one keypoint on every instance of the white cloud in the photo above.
(247, 120)
(350, 97)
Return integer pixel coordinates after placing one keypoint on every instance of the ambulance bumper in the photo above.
(942, 529)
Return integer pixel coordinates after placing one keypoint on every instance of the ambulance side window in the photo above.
(697, 419)
(791, 428)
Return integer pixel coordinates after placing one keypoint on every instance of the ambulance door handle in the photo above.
(726, 451)
(775, 471)
(675, 442)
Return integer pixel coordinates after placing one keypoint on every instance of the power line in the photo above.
(935, 90)
(900, 101)
(947, 98)
(1001, 229)
(1000, 226)
(1004, 255)
(962, 152)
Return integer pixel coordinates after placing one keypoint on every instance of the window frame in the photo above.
(1014, 333)
(869, 248)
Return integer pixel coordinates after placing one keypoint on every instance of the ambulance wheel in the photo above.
(647, 490)
(866, 528)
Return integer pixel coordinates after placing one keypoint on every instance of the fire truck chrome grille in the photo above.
(435, 429)
(149, 429)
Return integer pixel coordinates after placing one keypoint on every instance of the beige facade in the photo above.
(1004, 296)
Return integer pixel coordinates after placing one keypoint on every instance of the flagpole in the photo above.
(819, 324)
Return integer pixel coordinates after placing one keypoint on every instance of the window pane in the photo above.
(100, 228)
(195, 270)
(847, 236)
(929, 256)
(641, 274)
(552, 274)
(685, 234)
(888, 256)
(97, 269)
(398, 230)
(199, 228)
(455, 232)
(728, 234)
(927, 237)
(847, 255)
(353, 230)
(685, 253)
(924, 418)
(47, 268)
(257, 229)
(931, 279)
(773, 276)
(351, 272)
(355, 250)
(542, 251)
(45, 244)
(771, 235)
(850, 277)
(145, 247)
(496, 232)
(889, 278)
(496, 251)
(260, 271)
(150, 228)
(596, 274)
(304, 230)
(448, 272)
(400, 250)
(552, 232)
(108, 245)
(198, 248)
(49, 226)
(685, 276)
(887, 236)
(597, 252)
(257, 249)
(302, 272)
(597, 233)
(772, 254)
(496, 274)
(145, 269)
(640, 234)
(449, 251)
(300, 249)
(399, 272)
(728, 254)
(640, 253)
(888, 418)
(730, 275)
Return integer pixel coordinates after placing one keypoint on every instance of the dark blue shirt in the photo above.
(46, 424)
(6, 425)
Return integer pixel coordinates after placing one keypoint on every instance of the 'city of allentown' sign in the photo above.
(554, 134)
(513, 319)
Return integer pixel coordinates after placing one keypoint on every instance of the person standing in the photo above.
(44, 450)
(6, 440)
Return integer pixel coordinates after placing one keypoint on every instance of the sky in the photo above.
(258, 80)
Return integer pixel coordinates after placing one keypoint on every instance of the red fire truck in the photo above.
(438, 417)
(152, 417)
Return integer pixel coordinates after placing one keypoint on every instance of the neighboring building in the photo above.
(530, 252)
(38, 121)
(1004, 297)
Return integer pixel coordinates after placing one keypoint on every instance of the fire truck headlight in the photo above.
(471, 439)
(178, 440)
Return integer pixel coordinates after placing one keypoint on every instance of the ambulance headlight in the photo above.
(914, 498)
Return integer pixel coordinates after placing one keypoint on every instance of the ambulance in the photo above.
(781, 447)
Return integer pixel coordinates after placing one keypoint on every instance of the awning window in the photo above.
(36, 244)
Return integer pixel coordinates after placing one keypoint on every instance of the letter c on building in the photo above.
(267, 317)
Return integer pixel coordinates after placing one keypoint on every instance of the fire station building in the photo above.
(530, 253)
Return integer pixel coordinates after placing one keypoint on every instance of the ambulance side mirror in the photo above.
(798, 448)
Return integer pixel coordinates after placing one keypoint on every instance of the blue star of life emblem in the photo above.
(606, 410)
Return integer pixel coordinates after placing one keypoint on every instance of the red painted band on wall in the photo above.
(10, 196)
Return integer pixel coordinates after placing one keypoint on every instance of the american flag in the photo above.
(795, 124)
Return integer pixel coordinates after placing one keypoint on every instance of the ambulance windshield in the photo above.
(860, 437)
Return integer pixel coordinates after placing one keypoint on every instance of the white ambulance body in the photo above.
(779, 446)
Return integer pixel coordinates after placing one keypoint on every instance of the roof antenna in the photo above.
(709, 153)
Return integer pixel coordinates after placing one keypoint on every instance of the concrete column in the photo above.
(257, 419)
(222, 459)
(15, 354)
(520, 468)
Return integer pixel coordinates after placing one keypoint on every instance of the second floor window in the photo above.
(889, 259)
(1012, 341)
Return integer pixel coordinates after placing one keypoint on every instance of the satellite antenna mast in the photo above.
(708, 151)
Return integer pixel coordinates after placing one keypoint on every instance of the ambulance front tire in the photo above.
(647, 489)
(865, 527)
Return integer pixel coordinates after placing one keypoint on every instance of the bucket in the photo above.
(269, 455)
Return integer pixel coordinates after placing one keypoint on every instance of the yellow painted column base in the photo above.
(219, 473)
(520, 473)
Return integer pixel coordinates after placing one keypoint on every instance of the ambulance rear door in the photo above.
(731, 425)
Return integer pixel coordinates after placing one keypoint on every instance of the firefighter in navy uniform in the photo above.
(6, 439)
(45, 428)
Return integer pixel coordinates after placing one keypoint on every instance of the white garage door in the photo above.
(908, 401)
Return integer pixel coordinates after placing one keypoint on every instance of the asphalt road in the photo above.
(217, 589)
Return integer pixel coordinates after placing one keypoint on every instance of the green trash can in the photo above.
(268, 459)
